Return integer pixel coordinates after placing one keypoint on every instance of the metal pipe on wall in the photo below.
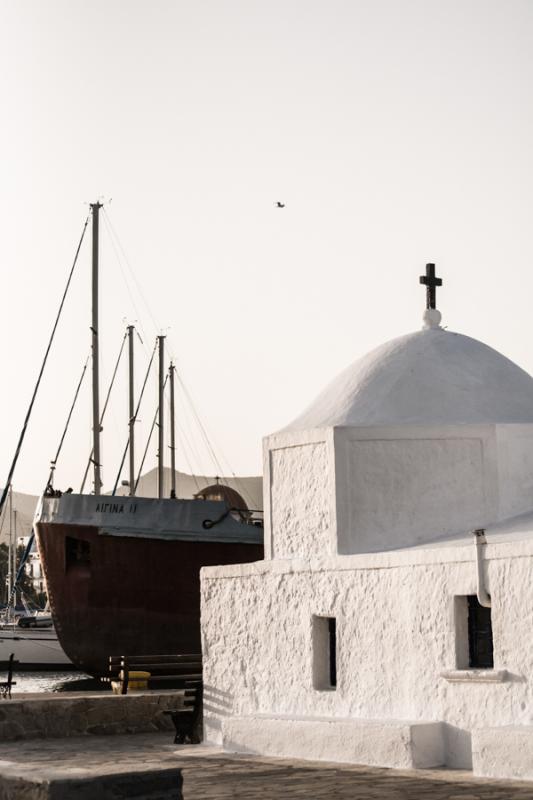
(482, 595)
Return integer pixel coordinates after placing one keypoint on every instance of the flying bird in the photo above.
(280, 205)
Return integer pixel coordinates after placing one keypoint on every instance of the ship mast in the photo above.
(171, 371)
(132, 411)
(10, 576)
(95, 208)
(14, 559)
(161, 420)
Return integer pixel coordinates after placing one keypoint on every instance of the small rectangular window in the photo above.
(479, 635)
(324, 653)
(77, 552)
(473, 634)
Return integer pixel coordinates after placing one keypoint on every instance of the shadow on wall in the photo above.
(458, 747)
(217, 703)
(514, 678)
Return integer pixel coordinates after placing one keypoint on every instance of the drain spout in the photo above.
(482, 595)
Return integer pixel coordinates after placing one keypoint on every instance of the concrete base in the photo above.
(163, 784)
(144, 767)
(380, 743)
(505, 752)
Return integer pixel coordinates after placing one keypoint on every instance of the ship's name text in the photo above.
(117, 508)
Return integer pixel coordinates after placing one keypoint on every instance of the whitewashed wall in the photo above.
(299, 495)
(515, 468)
(396, 636)
(354, 490)
(406, 485)
(300, 503)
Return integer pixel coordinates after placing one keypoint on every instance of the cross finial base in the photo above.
(431, 318)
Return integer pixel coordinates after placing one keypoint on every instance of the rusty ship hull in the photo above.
(123, 577)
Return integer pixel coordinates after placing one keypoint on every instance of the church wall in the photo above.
(299, 495)
(408, 485)
(396, 636)
(515, 468)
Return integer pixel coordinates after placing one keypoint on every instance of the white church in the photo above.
(391, 621)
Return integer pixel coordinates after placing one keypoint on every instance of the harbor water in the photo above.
(56, 681)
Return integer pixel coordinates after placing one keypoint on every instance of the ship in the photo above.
(123, 571)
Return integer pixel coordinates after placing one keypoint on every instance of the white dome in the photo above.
(431, 377)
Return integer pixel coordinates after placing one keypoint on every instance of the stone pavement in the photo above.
(209, 774)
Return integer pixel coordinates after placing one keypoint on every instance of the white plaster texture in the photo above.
(515, 469)
(299, 492)
(367, 489)
(378, 743)
(503, 752)
(429, 435)
(369, 497)
(431, 377)
(396, 492)
(395, 637)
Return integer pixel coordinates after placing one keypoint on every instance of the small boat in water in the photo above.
(27, 632)
(34, 642)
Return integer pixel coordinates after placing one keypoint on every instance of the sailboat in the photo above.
(123, 572)
(30, 634)
(34, 643)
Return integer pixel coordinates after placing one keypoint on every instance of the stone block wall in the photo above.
(57, 717)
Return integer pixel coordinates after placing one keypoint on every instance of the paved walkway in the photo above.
(211, 775)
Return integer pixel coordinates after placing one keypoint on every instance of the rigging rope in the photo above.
(185, 443)
(200, 425)
(2, 519)
(90, 461)
(135, 418)
(210, 447)
(180, 447)
(132, 273)
(49, 488)
(36, 389)
(20, 570)
(149, 440)
(112, 236)
(53, 463)
(188, 447)
(117, 246)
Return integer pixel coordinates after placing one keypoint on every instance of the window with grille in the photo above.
(473, 634)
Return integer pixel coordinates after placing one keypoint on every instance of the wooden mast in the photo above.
(97, 484)
(161, 415)
(131, 329)
(172, 369)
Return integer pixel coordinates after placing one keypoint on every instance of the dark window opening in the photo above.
(324, 653)
(480, 644)
(77, 552)
(332, 631)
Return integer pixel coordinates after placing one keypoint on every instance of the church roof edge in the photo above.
(429, 377)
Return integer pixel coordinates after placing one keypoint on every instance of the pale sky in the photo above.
(397, 132)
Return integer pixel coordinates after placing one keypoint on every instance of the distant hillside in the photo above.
(187, 486)
(24, 505)
(250, 488)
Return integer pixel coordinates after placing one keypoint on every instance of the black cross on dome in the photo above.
(431, 282)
